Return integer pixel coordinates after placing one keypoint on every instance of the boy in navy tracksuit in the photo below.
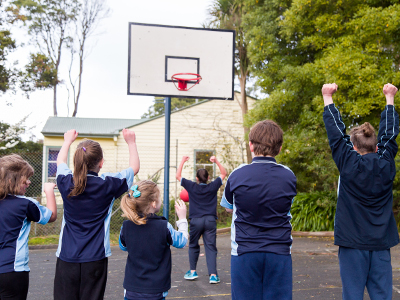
(365, 228)
(260, 196)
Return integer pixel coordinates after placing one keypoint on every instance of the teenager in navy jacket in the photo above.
(365, 228)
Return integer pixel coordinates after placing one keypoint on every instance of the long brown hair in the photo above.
(14, 171)
(87, 157)
(364, 138)
(136, 209)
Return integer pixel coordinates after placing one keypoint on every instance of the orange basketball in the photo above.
(184, 195)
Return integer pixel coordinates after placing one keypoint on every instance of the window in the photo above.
(202, 161)
(51, 163)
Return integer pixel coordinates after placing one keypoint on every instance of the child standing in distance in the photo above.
(365, 228)
(202, 215)
(84, 246)
(260, 196)
(16, 214)
(147, 238)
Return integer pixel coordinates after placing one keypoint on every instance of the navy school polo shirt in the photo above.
(202, 197)
(261, 195)
(16, 214)
(85, 229)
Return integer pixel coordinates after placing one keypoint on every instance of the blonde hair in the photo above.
(14, 171)
(364, 138)
(136, 209)
(87, 157)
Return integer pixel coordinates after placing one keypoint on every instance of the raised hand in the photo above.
(213, 159)
(49, 187)
(129, 136)
(390, 91)
(329, 89)
(185, 158)
(180, 209)
(70, 136)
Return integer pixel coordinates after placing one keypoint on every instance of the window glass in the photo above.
(52, 164)
(203, 162)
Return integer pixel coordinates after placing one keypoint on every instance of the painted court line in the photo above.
(205, 296)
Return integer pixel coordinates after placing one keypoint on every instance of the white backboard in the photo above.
(156, 52)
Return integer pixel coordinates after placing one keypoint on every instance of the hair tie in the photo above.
(84, 149)
(136, 193)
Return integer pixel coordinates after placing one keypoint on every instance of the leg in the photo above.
(94, 279)
(379, 282)
(196, 230)
(67, 280)
(277, 279)
(14, 285)
(210, 244)
(354, 267)
(246, 276)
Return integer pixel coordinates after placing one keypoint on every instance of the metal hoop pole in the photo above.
(167, 114)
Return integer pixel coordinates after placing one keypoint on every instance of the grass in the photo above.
(43, 240)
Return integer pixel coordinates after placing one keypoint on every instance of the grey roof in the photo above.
(93, 127)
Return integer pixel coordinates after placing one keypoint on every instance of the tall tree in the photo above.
(297, 46)
(229, 14)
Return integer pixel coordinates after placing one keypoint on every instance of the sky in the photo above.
(104, 91)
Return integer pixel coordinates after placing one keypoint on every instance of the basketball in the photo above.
(184, 195)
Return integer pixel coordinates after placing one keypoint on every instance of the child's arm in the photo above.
(227, 198)
(69, 137)
(130, 139)
(339, 142)
(180, 237)
(121, 241)
(51, 200)
(389, 125)
(222, 170)
(179, 170)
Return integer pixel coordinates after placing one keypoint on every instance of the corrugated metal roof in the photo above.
(87, 126)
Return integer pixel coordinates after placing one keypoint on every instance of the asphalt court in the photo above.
(315, 272)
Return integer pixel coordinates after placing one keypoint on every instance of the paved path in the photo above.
(315, 272)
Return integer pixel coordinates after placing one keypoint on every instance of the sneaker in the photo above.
(214, 279)
(191, 276)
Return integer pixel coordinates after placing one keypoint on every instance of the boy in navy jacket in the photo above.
(365, 228)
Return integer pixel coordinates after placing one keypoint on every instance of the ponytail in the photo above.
(87, 157)
(364, 138)
(136, 206)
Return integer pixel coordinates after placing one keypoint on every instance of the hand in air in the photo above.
(185, 158)
(49, 187)
(389, 90)
(180, 209)
(213, 159)
(129, 136)
(329, 89)
(70, 136)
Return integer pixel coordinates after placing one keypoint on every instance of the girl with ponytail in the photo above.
(84, 245)
(147, 239)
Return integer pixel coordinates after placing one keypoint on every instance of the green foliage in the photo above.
(41, 73)
(313, 211)
(158, 108)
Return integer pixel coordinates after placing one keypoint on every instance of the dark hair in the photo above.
(202, 175)
(14, 171)
(137, 209)
(87, 157)
(266, 137)
(364, 138)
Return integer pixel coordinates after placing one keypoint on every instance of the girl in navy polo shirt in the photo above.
(16, 214)
(84, 246)
(202, 215)
(147, 238)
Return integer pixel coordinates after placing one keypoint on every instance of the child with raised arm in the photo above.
(202, 215)
(260, 196)
(147, 238)
(365, 228)
(84, 246)
(16, 214)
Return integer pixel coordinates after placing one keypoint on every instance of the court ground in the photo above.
(315, 272)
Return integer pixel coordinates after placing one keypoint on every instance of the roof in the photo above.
(89, 127)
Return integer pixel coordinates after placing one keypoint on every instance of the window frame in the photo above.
(195, 164)
(46, 161)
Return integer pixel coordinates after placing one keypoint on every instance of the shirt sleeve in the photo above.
(187, 184)
(339, 141)
(62, 169)
(38, 213)
(121, 181)
(388, 131)
(121, 240)
(217, 183)
(180, 237)
(127, 174)
(227, 198)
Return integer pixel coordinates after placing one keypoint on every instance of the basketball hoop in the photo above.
(182, 82)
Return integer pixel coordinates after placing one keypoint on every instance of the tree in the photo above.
(229, 14)
(158, 108)
(296, 46)
(7, 44)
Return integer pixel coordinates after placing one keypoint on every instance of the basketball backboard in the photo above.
(156, 52)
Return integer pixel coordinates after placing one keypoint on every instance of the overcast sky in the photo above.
(104, 93)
